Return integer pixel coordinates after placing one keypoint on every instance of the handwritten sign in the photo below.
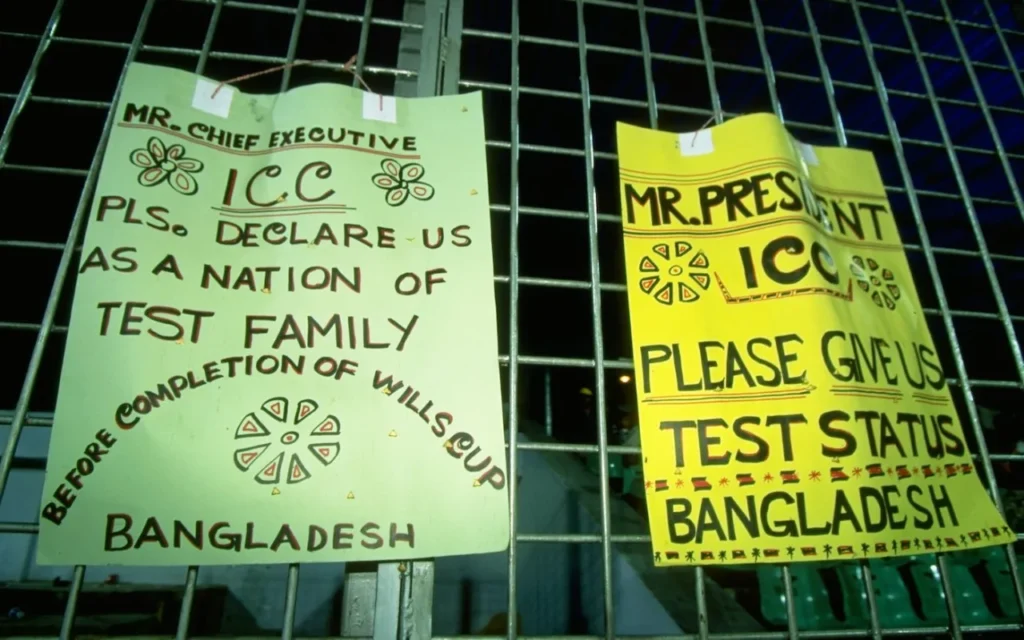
(282, 345)
(792, 405)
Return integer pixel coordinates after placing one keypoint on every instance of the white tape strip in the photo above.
(378, 107)
(204, 100)
(807, 153)
(696, 143)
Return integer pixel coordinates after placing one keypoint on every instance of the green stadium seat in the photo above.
(810, 598)
(891, 596)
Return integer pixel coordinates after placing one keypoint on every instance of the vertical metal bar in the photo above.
(451, 56)
(996, 138)
(645, 43)
(46, 324)
(293, 45)
(291, 593)
(709, 63)
(430, 47)
(67, 623)
(18, 420)
(940, 293)
(418, 606)
(792, 630)
(1006, 48)
(719, 116)
(5, 141)
(869, 591)
(204, 55)
(291, 596)
(549, 414)
(947, 587)
(404, 601)
(513, 331)
(703, 628)
(826, 77)
(986, 257)
(358, 600)
(388, 604)
(364, 38)
(972, 214)
(867, 577)
(410, 45)
(405, 591)
(26, 86)
(766, 58)
(192, 573)
(418, 601)
(187, 600)
(595, 308)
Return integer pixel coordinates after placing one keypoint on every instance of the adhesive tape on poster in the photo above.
(378, 107)
(696, 143)
(205, 100)
(807, 153)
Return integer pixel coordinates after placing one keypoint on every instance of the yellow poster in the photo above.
(792, 404)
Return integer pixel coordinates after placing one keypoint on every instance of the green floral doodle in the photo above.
(160, 164)
(399, 182)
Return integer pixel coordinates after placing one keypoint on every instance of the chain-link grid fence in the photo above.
(63, 67)
(932, 87)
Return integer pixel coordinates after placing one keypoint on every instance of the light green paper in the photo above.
(179, 461)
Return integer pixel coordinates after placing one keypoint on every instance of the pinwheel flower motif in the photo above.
(399, 182)
(160, 163)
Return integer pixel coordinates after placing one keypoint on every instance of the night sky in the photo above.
(555, 305)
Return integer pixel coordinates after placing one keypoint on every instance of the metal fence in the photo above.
(932, 87)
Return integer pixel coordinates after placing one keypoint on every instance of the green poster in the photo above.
(282, 346)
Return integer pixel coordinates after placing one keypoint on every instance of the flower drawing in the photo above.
(399, 182)
(160, 163)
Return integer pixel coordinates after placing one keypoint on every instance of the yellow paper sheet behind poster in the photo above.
(792, 404)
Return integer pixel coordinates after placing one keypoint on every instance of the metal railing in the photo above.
(453, 40)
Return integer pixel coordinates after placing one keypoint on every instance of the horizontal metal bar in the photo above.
(580, 538)
(29, 528)
(930, 16)
(63, 171)
(624, 450)
(313, 13)
(25, 528)
(551, 283)
(561, 43)
(32, 244)
(762, 635)
(552, 93)
(675, 13)
(30, 326)
(217, 55)
(109, 44)
(727, 66)
(499, 144)
(614, 218)
(627, 365)
(191, 637)
(584, 363)
(557, 283)
(45, 419)
(778, 635)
